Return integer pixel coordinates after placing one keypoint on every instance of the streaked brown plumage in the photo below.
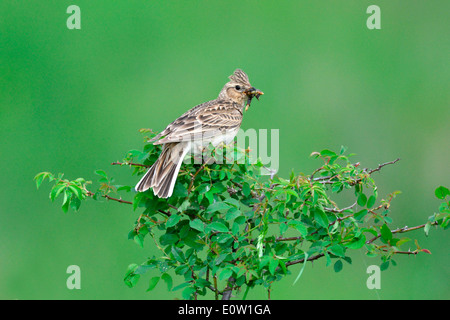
(215, 121)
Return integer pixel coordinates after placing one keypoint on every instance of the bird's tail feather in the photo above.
(163, 174)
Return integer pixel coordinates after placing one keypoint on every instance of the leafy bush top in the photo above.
(228, 227)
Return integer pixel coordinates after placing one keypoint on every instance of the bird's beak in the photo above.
(251, 93)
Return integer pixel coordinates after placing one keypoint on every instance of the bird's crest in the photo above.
(239, 76)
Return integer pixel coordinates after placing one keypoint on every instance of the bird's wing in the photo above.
(202, 122)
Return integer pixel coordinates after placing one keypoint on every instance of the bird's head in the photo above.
(239, 89)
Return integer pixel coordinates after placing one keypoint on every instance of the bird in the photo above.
(216, 121)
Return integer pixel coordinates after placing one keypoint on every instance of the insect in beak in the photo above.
(252, 93)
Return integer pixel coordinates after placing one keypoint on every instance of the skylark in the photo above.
(216, 121)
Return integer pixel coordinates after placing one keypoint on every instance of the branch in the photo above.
(408, 252)
(401, 230)
(290, 263)
(340, 210)
(383, 165)
(216, 291)
(195, 175)
(229, 289)
(90, 194)
(130, 164)
(327, 179)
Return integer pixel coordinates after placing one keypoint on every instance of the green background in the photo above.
(72, 101)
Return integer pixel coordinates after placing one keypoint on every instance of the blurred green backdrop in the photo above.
(72, 101)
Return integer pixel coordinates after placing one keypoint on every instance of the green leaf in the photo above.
(273, 264)
(66, 201)
(362, 200)
(180, 190)
(232, 213)
(75, 203)
(327, 153)
(131, 278)
(218, 226)
(152, 284)
(337, 250)
(240, 220)
(235, 203)
(168, 280)
(218, 206)
(292, 192)
(39, 178)
(184, 205)
(56, 190)
(139, 239)
(360, 215)
(187, 293)
(386, 233)
(321, 218)
(225, 274)
(283, 228)
(77, 191)
(180, 286)
(235, 229)
(299, 226)
(384, 265)
(168, 238)
(441, 192)
(246, 189)
(178, 254)
(124, 188)
(338, 265)
(402, 241)
(371, 201)
(101, 173)
(302, 229)
(223, 237)
(137, 199)
(173, 220)
(197, 224)
(357, 243)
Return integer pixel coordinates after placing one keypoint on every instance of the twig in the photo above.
(314, 172)
(290, 263)
(195, 175)
(403, 252)
(327, 179)
(130, 164)
(401, 230)
(383, 165)
(90, 194)
(340, 210)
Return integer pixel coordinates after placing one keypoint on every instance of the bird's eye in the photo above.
(238, 87)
